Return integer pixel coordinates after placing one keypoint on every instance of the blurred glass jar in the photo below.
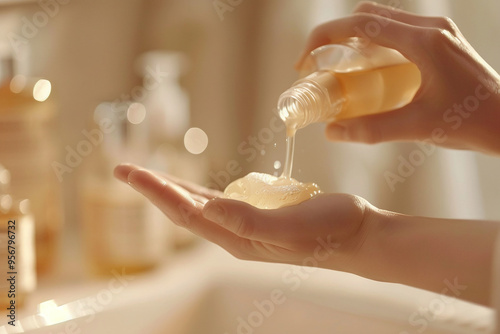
(27, 150)
(118, 233)
(119, 228)
(17, 251)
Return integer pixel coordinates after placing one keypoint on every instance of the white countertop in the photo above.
(188, 275)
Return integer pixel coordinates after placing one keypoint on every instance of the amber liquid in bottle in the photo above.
(363, 92)
(378, 90)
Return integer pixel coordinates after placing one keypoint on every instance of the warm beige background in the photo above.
(238, 67)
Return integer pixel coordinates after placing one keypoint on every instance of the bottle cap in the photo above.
(315, 98)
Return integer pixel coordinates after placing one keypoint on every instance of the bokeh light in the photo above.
(195, 140)
(41, 90)
(136, 113)
(18, 83)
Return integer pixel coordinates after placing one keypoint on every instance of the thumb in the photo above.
(341, 214)
(404, 124)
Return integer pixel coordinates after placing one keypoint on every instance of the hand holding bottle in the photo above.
(458, 103)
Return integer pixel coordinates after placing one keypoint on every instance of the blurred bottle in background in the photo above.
(28, 149)
(167, 103)
(119, 231)
(168, 120)
(17, 252)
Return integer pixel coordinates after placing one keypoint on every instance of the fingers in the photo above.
(172, 199)
(402, 124)
(176, 203)
(384, 25)
(373, 28)
(194, 188)
(406, 17)
(122, 171)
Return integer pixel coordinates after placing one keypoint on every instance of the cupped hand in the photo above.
(326, 231)
(333, 231)
(458, 103)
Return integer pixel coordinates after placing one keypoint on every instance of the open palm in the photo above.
(325, 231)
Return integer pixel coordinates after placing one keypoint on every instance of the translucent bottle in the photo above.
(118, 230)
(17, 252)
(346, 80)
(168, 119)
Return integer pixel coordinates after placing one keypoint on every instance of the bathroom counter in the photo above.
(207, 288)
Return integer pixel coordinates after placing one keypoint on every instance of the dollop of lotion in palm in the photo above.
(265, 191)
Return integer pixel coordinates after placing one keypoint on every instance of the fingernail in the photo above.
(336, 132)
(214, 212)
(131, 179)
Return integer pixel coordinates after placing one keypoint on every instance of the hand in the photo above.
(458, 103)
(334, 231)
(326, 231)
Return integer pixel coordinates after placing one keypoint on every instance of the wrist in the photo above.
(484, 132)
(430, 253)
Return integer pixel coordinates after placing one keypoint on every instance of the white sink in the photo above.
(209, 292)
